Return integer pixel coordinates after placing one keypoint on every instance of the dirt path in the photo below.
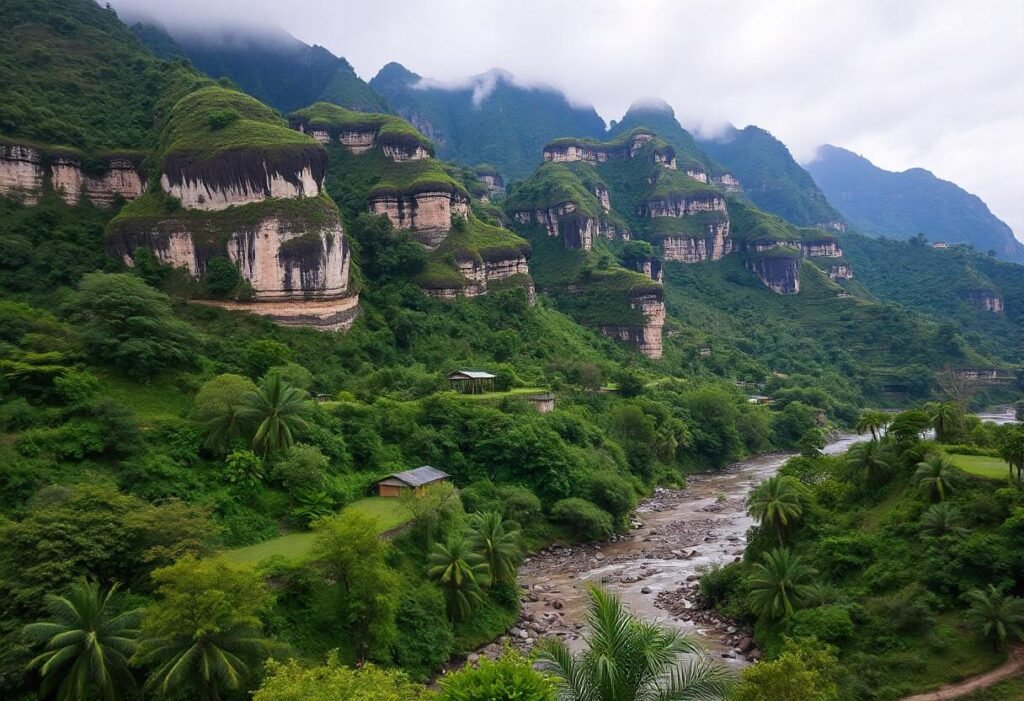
(1011, 668)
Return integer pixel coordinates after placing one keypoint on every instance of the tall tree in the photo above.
(498, 541)
(278, 410)
(89, 640)
(872, 420)
(630, 659)
(204, 633)
(220, 404)
(779, 583)
(996, 616)
(932, 477)
(351, 554)
(942, 519)
(460, 572)
(1011, 448)
(947, 418)
(775, 504)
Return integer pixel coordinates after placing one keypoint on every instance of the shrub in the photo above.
(585, 520)
(829, 623)
(426, 639)
(301, 468)
(511, 678)
(612, 493)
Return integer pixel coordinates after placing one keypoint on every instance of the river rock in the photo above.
(645, 590)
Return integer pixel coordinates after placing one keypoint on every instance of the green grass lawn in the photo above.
(981, 465)
(296, 546)
(159, 398)
(501, 395)
(1009, 690)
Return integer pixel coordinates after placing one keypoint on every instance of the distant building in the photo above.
(471, 381)
(417, 480)
(759, 399)
(940, 244)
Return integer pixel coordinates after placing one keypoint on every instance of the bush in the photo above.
(519, 504)
(829, 623)
(302, 468)
(583, 519)
(612, 493)
(511, 678)
(426, 639)
(719, 583)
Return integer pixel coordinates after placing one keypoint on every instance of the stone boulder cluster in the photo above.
(25, 170)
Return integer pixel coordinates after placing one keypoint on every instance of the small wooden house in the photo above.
(471, 381)
(417, 480)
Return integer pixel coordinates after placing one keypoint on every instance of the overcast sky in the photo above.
(932, 83)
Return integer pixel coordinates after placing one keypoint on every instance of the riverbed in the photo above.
(655, 568)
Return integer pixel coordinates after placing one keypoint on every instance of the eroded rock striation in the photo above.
(24, 170)
(985, 300)
(824, 248)
(577, 230)
(840, 271)
(21, 172)
(427, 214)
(779, 273)
(646, 337)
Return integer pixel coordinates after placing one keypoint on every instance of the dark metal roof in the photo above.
(420, 476)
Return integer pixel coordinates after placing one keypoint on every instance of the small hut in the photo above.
(471, 381)
(417, 480)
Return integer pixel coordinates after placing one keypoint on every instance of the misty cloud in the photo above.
(932, 83)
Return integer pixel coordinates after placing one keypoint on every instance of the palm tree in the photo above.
(932, 477)
(1011, 449)
(497, 540)
(869, 463)
(204, 661)
(775, 503)
(942, 520)
(629, 659)
(872, 420)
(996, 616)
(277, 408)
(460, 572)
(821, 594)
(947, 418)
(778, 585)
(89, 641)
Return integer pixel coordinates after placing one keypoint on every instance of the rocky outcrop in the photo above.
(832, 225)
(840, 271)
(762, 245)
(727, 181)
(665, 158)
(567, 150)
(21, 172)
(427, 214)
(121, 179)
(686, 249)
(492, 181)
(698, 175)
(683, 205)
(646, 338)
(651, 267)
(577, 230)
(826, 248)
(480, 275)
(601, 192)
(405, 152)
(985, 300)
(337, 314)
(243, 176)
(780, 274)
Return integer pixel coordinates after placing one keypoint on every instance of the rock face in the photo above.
(684, 249)
(494, 183)
(826, 248)
(832, 225)
(480, 273)
(780, 274)
(427, 214)
(684, 206)
(840, 271)
(698, 175)
(728, 182)
(651, 267)
(985, 300)
(21, 173)
(567, 151)
(122, 179)
(647, 339)
(601, 192)
(243, 176)
(577, 230)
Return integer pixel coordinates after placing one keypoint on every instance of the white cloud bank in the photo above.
(937, 84)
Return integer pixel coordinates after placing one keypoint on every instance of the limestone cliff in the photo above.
(840, 271)
(577, 230)
(625, 147)
(728, 182)
(683, 205)
(984, 300)
(361, 132)
(427, 214)
(778, 271)
(121, 178)
(824, 248)
(21, 172)
(646, 337)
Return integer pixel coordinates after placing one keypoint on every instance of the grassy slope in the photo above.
(334, 119)
(994, 468)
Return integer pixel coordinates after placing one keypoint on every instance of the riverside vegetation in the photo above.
(145, 438)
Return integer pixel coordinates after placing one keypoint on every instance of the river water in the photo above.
(683, 532)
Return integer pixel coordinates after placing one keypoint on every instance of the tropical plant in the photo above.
(89, 640)
(630, 659)
(244, 469)
(947, 418)
(820, 593)
(932, 477)
(333, 681)
(909, 425)
(277, 409)
(806, 670)
(204, 633)
(775, 503)
(941, 520)
(460, 572)
(498, 541)
(778, 584)
(872, 420)
(312, 504)
(996, 616)
(1011, 448)
(219, 404)
(869, 464)
(510, 678)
